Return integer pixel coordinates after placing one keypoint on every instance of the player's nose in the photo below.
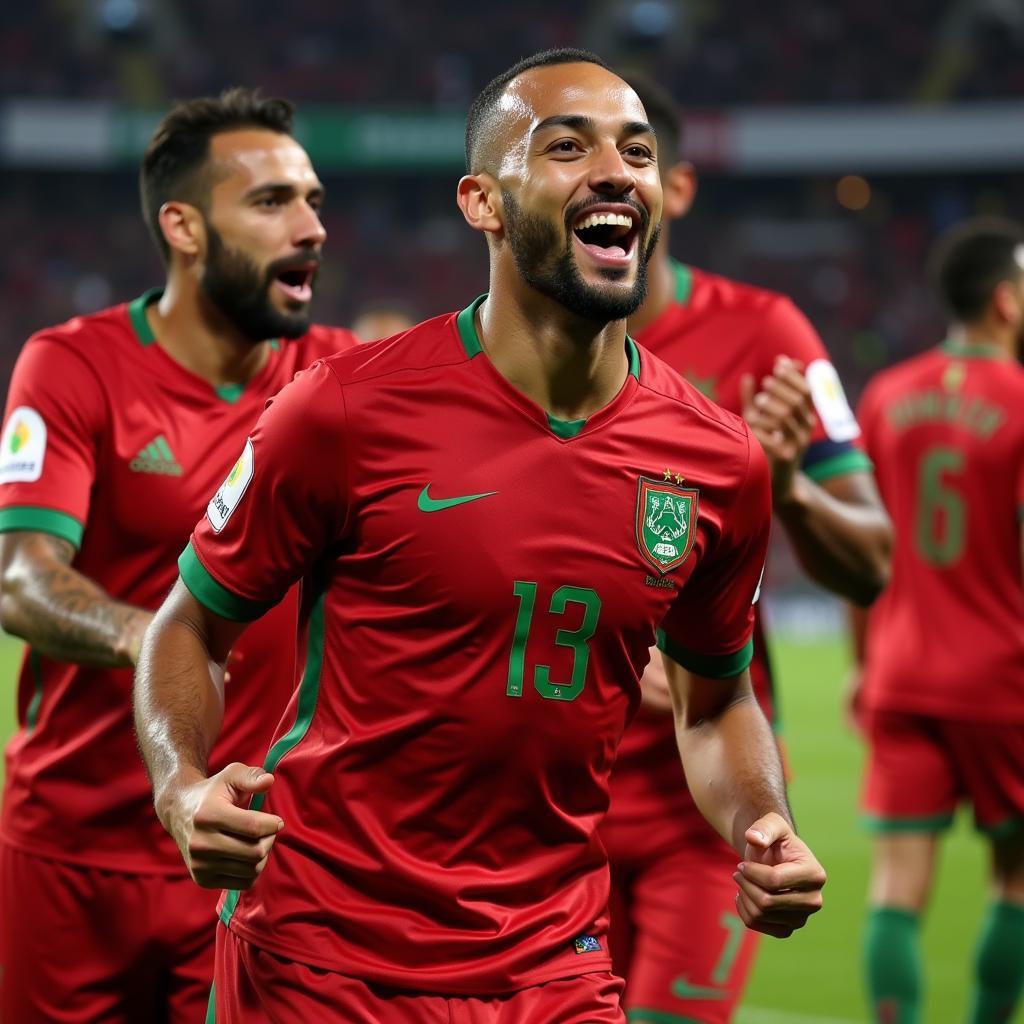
(609, 173)
(308, 230)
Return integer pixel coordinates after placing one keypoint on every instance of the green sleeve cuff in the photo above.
(211, 594)
(853, 461)
(45, 520)
(712, 666)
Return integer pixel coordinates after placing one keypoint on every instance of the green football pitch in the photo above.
(814, 977)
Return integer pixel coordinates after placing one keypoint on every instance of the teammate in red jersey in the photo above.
(681, 946)
(942, 700)
(490, 514)
(118, 427)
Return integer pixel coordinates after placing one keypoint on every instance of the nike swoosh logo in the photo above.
(682, 989)
(425, 503)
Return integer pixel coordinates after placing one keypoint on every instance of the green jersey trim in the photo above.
(213, 595)
(972, 350)
(32, 712)
(45, 520)
(713, 666)
(1002, 829)
(230, 393)
(309, 693)
(137, 315)
(853, 461)
(684, 282)
(211, 1006)
(932, 823)
(466, 324)
(658, 1016)
(565, 428)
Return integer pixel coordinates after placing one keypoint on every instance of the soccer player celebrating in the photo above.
(490, 516)
(119, 425)
(942, 696)
(676, 934)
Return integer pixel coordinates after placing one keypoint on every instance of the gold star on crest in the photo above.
(680, 478)
(668, 474)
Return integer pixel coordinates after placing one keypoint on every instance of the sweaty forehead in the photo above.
(570, 89)
(247, 156)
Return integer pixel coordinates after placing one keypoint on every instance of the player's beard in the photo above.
(241, 292)
(550, 267)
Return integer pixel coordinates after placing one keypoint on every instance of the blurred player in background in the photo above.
(491, 519)
(676, 935)
(942, 695)
(119, 426)
(381, 321)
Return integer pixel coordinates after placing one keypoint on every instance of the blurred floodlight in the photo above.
(651, 19)
(119, 15)
(853, 192)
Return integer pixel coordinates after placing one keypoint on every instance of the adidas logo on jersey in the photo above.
(156, 457)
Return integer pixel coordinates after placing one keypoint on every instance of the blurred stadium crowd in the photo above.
(856, 268)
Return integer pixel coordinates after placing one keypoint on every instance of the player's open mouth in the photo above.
(297, 282)
(608, 233)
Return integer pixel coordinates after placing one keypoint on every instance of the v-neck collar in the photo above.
(565, 430)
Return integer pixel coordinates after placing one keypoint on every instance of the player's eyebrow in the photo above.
(282, 189)
(582, 123)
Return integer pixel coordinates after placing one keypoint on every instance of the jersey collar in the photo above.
(465, 323)
(976, 350)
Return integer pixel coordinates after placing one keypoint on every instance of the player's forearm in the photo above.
(733, 768)
(64, 615)
(179, 705)
(843, 545)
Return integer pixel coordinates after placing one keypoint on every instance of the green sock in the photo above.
(892, 961)
(999, 964)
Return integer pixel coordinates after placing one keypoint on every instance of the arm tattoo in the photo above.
(61, 613)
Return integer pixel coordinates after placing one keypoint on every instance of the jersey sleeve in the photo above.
(835, 448)
(709, 628)
(283, 504)
(55, 418)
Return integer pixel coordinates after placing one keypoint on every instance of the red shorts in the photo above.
(252, 986)
(675, 935)
(81, 944)
(920, 768)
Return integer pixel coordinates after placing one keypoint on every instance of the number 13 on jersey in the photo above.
(577, 640)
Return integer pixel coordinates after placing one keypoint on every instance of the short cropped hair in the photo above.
(971, 259)
(479, 120)
(175, 160)
(663, 113)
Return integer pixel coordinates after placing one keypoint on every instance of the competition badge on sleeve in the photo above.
(226, 500)
(830, 402)
(23, 447)
(665, 523)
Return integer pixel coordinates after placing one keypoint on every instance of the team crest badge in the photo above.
(665, 523)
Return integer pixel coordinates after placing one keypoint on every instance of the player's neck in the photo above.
(570, 366)
(195, 335)
(661, 289)
(985, 338)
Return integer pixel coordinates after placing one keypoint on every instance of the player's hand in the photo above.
(781, 415)
(224, 844)
(780, 880)
(654, 691)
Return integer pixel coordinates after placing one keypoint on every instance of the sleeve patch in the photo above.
(23, 446)
(830, 401)
(226, 500)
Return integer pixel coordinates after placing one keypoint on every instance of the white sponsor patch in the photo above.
(226, 500)
(22, 447)
(830, 402)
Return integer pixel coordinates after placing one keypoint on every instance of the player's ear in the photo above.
(479, 199)
(183, 227)
(1006, 302)
(680, 187)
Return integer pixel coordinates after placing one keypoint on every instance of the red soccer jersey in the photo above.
(946, 434)
(714, 332)
(481, 587)
(112, 445)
